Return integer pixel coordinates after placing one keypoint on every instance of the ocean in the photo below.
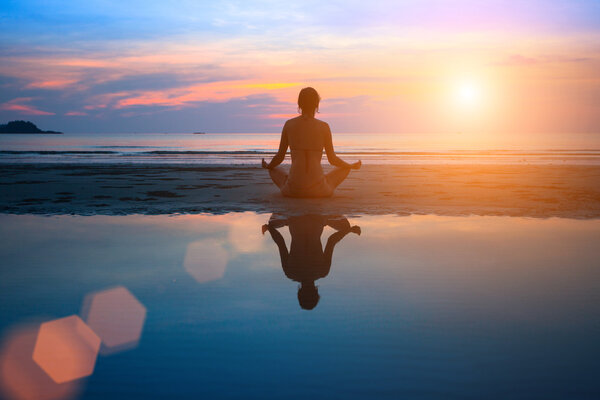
(246, 148)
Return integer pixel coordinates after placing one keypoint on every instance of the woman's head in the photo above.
(308, 100)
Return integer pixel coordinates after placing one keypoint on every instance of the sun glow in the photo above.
(468, 94)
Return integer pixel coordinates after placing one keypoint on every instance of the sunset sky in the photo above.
(415, 66)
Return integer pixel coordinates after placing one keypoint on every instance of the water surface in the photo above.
(412, 307)
(246, 148)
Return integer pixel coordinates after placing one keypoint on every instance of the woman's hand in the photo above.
(356, 165)
(264, 164)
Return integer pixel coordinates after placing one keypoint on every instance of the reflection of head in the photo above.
(308, 100)
(308, 296)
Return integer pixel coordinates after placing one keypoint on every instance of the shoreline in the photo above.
(541, 191)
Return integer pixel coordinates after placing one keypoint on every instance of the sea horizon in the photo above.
(249, 148)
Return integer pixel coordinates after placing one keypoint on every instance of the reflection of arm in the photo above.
(278, 221)
(331, 242)
(280, 242)
(331, 156)
(283, 145)
(338, 222)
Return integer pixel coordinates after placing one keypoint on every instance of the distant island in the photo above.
(23, 127)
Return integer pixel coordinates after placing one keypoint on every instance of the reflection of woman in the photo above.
(306, 261)
(307, 137)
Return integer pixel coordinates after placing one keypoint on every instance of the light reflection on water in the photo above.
(419, 306)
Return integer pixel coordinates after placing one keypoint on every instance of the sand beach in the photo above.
(542, 191)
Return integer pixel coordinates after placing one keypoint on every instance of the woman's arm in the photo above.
(332, 157)
(278, 158)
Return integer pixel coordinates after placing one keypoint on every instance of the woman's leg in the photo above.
(279, 176)
(337, 176)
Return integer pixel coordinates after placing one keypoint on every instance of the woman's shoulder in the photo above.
(322, 123)
(290, 123)
(300, 124)
(300, 118)
(293, 121)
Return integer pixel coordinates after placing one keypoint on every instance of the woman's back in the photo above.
(306, 138)
(306, 133)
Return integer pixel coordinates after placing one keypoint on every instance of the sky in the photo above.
(407, 67)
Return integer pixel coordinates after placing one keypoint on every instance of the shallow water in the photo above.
(413, 307)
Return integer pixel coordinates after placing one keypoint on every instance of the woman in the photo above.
(307, 137)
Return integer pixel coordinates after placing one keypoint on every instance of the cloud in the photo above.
(518, 59)
(52, 84)
(269, 86)
(521, 60)
(188, 96)
(145, 81)
(278, 116)
(17, 105)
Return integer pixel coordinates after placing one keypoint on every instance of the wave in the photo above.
(374, 152)
(123, 147)
(51, 152)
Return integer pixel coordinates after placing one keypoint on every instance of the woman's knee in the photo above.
(278, 175)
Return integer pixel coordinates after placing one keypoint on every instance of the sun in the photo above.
(468, 94)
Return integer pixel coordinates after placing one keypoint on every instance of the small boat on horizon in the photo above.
(199, 133)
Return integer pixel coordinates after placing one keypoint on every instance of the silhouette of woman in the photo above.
(307, 137)
(306, 261)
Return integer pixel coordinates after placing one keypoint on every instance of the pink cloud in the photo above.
(75, 113)
(279, 116)
(52, 84)
(18, 106)
(94, 106)
(189, 95)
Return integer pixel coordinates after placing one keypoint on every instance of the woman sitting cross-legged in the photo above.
(307, 137)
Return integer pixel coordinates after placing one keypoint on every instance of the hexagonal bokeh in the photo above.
(20, 377)
(117, 317)
(206, 260)
(66, 349)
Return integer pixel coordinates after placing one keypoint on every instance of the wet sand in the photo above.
(571, 191)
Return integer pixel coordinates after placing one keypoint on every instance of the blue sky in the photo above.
(105, 66)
